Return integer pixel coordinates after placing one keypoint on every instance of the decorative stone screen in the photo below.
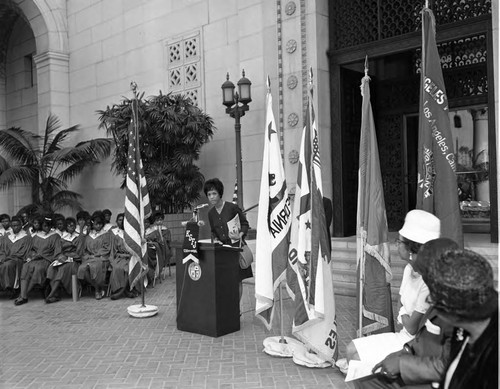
(183, 57)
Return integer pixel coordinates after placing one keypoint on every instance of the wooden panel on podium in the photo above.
(207, 293)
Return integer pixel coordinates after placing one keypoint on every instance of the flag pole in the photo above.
(280, 294)
(133, 86)
(363, 243)
(143, 310)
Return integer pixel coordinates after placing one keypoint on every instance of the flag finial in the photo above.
(133, 87)
(268, 84)
(426, 3)
(366, 78)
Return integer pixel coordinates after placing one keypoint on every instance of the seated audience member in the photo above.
(60, 272)
(166, 238)
(154, 253)
(119, 260)
(422, 361)
(59, 224)
(96, 252)
(14, 248)
(107, 220)
(25, 219)
(45, 249)
(82, 222)
(462, 292)
(37, 225)
(5, 224)
(419, 228)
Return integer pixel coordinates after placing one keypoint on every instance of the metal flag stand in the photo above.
(140, 310)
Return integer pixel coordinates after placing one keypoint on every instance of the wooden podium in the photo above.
(207, 292)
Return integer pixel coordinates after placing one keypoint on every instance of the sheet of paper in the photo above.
(234, 227)
(358, 369)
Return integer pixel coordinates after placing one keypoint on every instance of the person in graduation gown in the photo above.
(60, 224)
(107, 220)
(36, 226)
(14, 248)
(165, 239)
(157, 254)
(5, 224)
(45, 249)
(83, 222)
(219, 215)
(60, 272)
(95, 261)
(119, 260)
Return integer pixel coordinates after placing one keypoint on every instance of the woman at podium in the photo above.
(228, 223)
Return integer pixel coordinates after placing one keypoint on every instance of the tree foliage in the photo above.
(47, 163)
(172, 131)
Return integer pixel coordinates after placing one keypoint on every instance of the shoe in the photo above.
(343, 365)
(53, 299)
(20, 301)
(14, 293)
(130, 295)
(99, 294)
(117, 295)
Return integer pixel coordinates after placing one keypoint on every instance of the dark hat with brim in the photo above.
(461, 283)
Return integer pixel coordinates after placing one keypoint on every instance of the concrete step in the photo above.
(351, 276)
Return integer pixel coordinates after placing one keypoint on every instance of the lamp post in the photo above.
(236, 105)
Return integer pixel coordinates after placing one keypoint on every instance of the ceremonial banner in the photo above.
(437, 190)
(137, 206)
(190, 244)
(309, 276)
(273, 223)
(373, 256)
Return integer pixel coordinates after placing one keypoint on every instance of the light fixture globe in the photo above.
(244, 89)
(228, 92)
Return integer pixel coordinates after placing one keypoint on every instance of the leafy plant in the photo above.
(46, 164)
(172, 131)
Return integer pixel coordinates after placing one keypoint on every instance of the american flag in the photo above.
(137, 206)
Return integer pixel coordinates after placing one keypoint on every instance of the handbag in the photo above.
(246, 257)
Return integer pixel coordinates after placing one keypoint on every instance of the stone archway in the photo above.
(47, 19)
(41, 25)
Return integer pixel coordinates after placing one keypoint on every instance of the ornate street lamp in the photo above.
(237, 105)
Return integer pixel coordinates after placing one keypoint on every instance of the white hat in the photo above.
(421, 226)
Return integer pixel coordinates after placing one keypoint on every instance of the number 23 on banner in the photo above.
(331, 340)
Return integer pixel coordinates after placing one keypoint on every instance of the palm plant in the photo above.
(44, 163)
(172, 131)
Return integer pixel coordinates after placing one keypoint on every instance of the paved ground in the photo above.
(96, 344)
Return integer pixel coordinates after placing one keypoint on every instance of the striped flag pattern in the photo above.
(137, 206)
(309, 276)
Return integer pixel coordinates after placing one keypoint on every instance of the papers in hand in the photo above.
(234, 227)
(358, 369)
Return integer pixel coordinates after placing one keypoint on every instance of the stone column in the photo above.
(480, 125)
(53, 87)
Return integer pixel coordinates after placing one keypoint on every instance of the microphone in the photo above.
(201, 206)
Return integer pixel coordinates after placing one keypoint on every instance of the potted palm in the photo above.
(172, 131)
(47, 163)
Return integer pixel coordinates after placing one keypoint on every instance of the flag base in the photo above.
(273, 346)
(141, 311)
(303, 357)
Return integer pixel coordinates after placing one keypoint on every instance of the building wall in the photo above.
(114, 42)
(19, 101)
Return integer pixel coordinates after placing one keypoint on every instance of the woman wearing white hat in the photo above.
(419, 228)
